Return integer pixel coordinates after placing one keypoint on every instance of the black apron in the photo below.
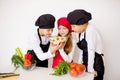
(44, 48)
(98, 61)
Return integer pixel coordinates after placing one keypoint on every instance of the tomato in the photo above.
(80, 68)
(77, 68)
(73, 65)
(27, 63)
(73, 72)
(81, 72)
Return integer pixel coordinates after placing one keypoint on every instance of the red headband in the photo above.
(64, 22)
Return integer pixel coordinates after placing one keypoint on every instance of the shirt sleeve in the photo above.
(34, 45)
(68, 57)
(91, 41)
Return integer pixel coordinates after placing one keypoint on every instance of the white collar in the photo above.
(45, 39)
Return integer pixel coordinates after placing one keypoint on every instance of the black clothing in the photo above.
(98, 61)
(45, 21)
(79, 16)
(45, 48)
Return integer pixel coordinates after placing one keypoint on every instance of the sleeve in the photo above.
(68, 57)
(34, 45)
(91, 41)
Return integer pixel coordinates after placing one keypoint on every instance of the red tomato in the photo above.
(27, 63)
(77, 68)
(73, 65)
(81, 72)
(73, 72)
(80, 68)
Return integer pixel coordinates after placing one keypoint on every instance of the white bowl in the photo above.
(58, 39)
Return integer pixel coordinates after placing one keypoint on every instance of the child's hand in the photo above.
(61, 45)
(55, 47)
(95, 73)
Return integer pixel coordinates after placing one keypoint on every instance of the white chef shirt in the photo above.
(34, 44)
(94, 44)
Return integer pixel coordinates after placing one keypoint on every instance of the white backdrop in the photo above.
(17, 18)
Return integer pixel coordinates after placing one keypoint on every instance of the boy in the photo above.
(90, 46)
(39, 44)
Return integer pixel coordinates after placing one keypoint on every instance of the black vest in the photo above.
(83, 46)
(98, 61)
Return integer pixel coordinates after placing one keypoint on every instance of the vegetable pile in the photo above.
(76, 69)
(24, 61)
(73, 69)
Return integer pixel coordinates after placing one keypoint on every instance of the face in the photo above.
(78, 28)
(63, 31)
(46, 32)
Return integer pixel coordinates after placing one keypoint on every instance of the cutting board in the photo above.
(9, 76)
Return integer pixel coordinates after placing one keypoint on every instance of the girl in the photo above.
(89, 42)
(39, 42)
(66, 53)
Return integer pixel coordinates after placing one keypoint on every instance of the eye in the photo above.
(64, 28)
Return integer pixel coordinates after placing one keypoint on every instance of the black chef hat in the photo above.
(45, 21)
(79, 16)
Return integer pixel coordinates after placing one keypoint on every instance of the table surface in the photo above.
(40, 73)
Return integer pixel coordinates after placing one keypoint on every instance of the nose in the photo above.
(50, 32)
(73, 28)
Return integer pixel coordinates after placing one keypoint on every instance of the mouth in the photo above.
(48, 35)
(62, 34)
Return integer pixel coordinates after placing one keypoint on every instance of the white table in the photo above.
(44, 74)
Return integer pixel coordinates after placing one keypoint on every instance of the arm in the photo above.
(34, 45)
(91, 41)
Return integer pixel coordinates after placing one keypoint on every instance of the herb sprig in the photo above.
(61, 69)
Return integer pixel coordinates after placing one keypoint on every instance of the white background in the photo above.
(17, 18)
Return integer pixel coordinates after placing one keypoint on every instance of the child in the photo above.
(89, 42)
(39, 43)
(66, 53)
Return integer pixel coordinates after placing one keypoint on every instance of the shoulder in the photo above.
(92, 34)
(92, 30)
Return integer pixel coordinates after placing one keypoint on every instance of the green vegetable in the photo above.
(61, 69)
(17, 61)
(19, 52)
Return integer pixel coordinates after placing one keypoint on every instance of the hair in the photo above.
(68, 45)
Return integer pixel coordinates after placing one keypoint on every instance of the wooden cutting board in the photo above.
(9, 76)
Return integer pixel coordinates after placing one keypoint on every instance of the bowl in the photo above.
(58, 39)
